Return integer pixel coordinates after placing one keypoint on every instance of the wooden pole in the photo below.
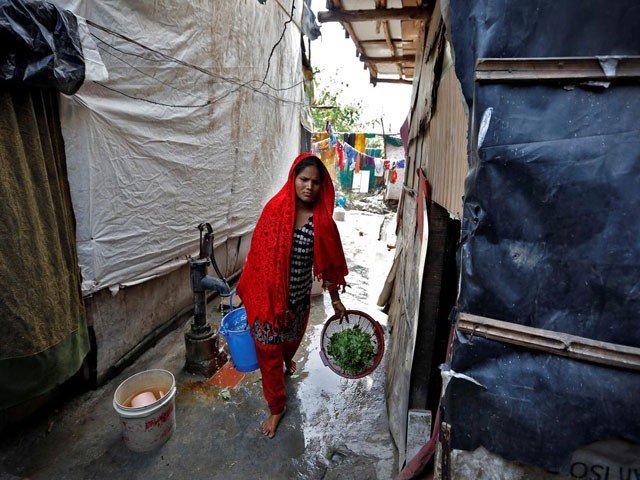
(395, 59)
(384, 142)
(407, 13)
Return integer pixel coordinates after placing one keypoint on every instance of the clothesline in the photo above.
(355, 158)
(322, 146)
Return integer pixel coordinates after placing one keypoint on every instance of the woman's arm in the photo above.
(334, 292)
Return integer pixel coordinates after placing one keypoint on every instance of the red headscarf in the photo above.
(264, 285)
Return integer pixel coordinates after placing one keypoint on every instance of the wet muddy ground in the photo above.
(334, 428)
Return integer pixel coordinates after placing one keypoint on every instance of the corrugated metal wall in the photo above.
(446, 157)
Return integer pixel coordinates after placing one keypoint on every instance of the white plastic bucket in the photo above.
(146, 428)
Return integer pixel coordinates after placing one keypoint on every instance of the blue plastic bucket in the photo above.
(235, 329)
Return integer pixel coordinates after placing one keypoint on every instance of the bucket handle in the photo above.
(223, 330)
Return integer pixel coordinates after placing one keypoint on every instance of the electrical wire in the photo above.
(148, 75)
(205, 71)
(151, 101)
(227, 79)
(273, 49)
(124, 51)
(210, 102)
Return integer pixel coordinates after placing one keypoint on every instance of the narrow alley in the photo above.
(319, 239)
(335, 428)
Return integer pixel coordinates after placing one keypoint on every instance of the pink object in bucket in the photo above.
(142, 400)
(146, 428)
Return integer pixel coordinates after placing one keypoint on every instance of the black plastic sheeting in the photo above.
(40, 46)
(551, 233)
(540, 28)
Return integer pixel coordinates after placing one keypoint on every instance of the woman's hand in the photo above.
(339, 308)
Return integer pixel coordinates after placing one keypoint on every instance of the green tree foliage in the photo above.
(344, 116)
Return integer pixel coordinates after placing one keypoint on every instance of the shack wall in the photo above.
(160, 146)
(437, 145)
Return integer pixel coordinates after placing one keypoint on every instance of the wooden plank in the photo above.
(397, 59)
(381, 43)
(445, 457)
(410, 13)
(380, 4)
(337, 4)
(558, 343)
(439, 292)
(557, 69)
(392, 47)
(387, 38)
(394, 80)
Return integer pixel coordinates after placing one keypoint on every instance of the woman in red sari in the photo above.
(295, 239)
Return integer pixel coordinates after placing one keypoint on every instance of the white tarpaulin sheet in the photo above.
(143, 175)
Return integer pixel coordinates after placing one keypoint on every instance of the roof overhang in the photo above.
(385, 33)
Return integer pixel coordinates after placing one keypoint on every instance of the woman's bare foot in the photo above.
(291, 368)
(270, 425)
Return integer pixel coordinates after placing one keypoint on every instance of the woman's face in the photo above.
(308, 184)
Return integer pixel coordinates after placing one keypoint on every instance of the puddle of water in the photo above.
(336, 411)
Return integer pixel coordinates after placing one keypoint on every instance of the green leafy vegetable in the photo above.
(351, 350)
(224, 393)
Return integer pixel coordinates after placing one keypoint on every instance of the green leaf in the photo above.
(351, 350)
(225, 394)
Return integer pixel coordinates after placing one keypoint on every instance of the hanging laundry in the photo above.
(361, 142)
(358, 160)
(369, 161)
(374, 152)
(379, 167)
(401, 164)
(328, 157)
(351, 157)
(324, 146)
(340, 156)
(387, 164)
(350, 138)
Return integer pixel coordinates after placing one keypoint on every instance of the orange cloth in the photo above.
(361, 142)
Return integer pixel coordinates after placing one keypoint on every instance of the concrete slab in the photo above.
(334, 428)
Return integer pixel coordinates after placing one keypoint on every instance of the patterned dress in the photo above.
(300, 283)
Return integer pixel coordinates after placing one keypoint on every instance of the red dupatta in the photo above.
(264, 284)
